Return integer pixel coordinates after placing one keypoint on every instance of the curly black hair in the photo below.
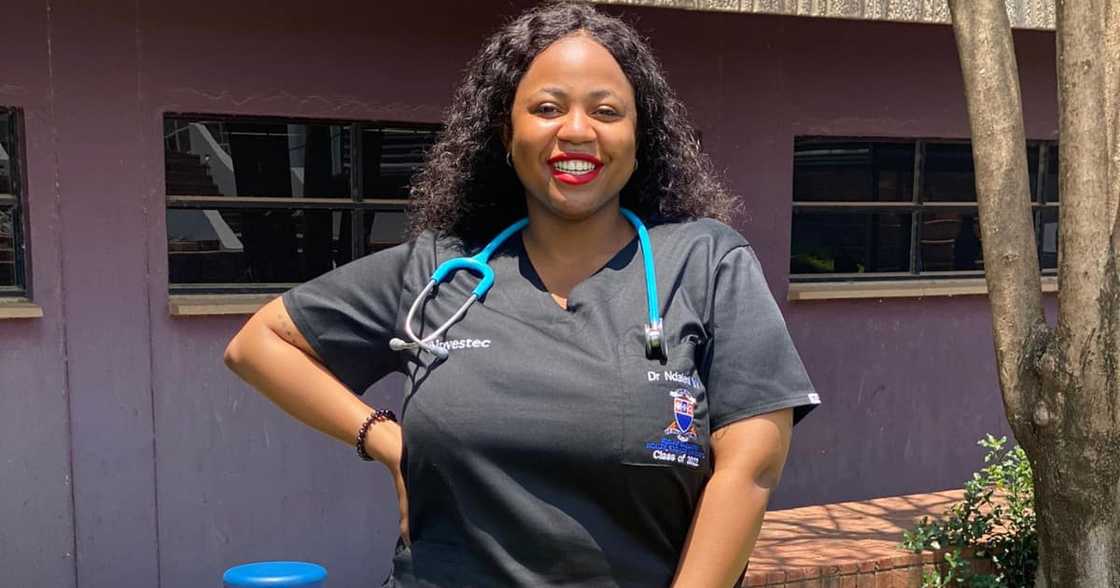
(465, 189)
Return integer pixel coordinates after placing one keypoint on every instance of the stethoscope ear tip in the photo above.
(399, 345)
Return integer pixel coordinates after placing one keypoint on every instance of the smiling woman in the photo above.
(551, 435)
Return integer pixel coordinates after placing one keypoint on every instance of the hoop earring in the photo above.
(635, 165)
(509, 159)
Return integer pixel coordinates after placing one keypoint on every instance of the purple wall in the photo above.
(36, 513)
(180, 471)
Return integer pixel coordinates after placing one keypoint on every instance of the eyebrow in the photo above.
(560, 93)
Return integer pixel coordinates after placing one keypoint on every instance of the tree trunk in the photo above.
(995, 110)
(1079, 534)
(1061, 386)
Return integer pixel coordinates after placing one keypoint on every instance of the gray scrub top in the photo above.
(547, 450)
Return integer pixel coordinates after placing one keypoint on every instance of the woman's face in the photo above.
(573, 137)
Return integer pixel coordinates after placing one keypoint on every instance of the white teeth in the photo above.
(574, 166)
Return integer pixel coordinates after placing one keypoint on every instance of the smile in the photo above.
(575, 168)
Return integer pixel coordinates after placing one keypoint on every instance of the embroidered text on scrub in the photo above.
(463, 344)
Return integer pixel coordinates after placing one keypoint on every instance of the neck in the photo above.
(580, 242)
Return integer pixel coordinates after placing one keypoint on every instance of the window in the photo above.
(900, 209)
(12, 246)
(260, 204)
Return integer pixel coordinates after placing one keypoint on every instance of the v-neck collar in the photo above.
(617, 263)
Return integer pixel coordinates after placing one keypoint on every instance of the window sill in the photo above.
(217, 304)
(799, 291)
(19, 308)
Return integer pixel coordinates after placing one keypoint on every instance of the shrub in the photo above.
(995, 520)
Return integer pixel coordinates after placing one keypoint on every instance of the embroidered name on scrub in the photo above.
(463, 344)
(671, 376)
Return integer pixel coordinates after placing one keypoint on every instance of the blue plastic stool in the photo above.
(276, 574)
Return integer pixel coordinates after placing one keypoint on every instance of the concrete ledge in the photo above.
(19, 308)
(799, 291)
(216, 304)
(847, 544)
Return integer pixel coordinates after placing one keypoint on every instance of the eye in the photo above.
(546, 109)
(607, 112)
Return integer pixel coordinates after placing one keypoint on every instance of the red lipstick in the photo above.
(575, 179)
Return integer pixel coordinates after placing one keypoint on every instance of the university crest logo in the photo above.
(684, 408)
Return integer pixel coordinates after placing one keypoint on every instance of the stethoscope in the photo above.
(479, 264)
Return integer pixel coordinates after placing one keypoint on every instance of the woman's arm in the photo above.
(748, 456)
(271, 355)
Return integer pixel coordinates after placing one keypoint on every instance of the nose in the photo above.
(577, 128)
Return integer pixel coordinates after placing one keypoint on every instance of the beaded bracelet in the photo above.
(376, 416)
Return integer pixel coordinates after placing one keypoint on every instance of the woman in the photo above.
(553, 436)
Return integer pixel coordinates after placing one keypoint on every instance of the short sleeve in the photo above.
(750, 366)
(349, 314)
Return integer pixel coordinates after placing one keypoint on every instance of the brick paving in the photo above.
(844, 545)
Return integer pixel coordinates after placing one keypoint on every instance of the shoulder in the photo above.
(703, 236)
(704, 257)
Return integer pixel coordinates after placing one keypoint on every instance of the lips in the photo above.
(566, 169)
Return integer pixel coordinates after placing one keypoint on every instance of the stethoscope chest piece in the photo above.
(655, 341)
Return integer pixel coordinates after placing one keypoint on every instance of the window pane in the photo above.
(7, 246)
(950, 241)
(1032, 169)
(851, 171)
(1051, 180)
(846, 242)
(948, 173)
(7, 151)
(269, 159)
(254, 246)
(384, 229)
(391, 157)
(1048, 237)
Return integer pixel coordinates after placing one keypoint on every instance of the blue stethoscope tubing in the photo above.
(480, 265)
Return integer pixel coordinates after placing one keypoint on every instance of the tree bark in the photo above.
(1112, 109)
(1089, 302)
(1061, 387)
(1087, 215)
(995, 113)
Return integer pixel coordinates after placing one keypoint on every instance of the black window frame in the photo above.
(15, 200)
(358, 203)
(916, 206)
